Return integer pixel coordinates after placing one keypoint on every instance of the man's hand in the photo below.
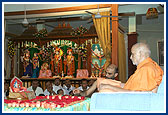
(76, 91)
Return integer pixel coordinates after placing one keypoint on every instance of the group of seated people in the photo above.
(53, 88)
(56, 88)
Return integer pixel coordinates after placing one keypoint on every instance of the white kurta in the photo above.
(38, 91)
(80, 88)
(47, 93)
(68, 90)
(56, 88)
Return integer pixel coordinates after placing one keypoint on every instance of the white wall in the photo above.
(151, 31)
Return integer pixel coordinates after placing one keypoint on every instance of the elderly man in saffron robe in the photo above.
(147, 77)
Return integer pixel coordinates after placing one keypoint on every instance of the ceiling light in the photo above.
(25, 22)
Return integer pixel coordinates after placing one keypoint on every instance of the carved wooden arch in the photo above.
(60, 32)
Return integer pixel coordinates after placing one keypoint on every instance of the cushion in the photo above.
(161, 87)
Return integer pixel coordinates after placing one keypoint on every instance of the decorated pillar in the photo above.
(79, 61)
(114, 9)
(12, 67)
(11, 53)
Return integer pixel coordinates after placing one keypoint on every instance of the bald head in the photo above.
(112, 66)
(140, 51)
(142, 48)
(111, 71)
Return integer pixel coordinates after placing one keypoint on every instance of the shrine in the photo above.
(74, 57)
(64, 50)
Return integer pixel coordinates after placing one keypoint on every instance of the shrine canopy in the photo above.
(60, 32)
(27, 35)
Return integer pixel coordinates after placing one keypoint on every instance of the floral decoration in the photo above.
(11, 49)
(46, 53)
(83, 52)
(40, 34)
(79, 31)
(45, 102)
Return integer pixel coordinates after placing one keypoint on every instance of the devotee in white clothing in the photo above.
(68, 87)
(84, 85)
(37, 90)
(60, 92)
(49, 89)
(57, 85)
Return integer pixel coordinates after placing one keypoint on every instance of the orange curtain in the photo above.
(102, 26)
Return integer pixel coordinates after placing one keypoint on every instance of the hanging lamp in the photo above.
(25, 22)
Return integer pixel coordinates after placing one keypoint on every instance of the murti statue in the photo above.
(96, 51)
(27, 65)
(56, 62)
(69, 63)
(35, 61)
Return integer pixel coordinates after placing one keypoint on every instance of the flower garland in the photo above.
(79, 31)
(44, 102)
(102, 68)
(83, 52)
(46, 53)
(11, 49)
(40, 34)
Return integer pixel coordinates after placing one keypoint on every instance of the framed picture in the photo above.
(160, 45)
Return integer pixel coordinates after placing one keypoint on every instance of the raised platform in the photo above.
(48, 103)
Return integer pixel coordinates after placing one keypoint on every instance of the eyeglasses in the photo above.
(109, 73)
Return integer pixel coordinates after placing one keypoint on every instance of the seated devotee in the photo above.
(147, 77)
(71, 93)
(45, 72)
(49, 89)
(84, 85)
(57, 85)
(35, 87)
(6, 89)
(67, 86)
(110, 73)
(60, 92)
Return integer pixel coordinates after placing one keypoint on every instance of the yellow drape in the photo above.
(102, 26)
(121, 57)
